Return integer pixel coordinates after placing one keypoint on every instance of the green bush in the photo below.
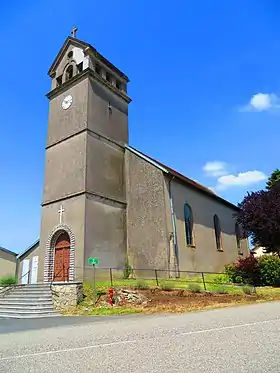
(248, 290)
(141, 285)
(263, 271)
(7, 280)
(194, 288)
(127, 270)
(269, 266)
(221, 290)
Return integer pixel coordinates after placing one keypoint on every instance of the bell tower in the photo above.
(84, 182)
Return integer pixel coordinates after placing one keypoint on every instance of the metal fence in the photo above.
(112, 277)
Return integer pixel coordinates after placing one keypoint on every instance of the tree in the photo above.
(259, 217)
(273, 179)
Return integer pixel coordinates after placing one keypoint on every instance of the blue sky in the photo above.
(205, 82)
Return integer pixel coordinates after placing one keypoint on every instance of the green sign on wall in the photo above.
(93, 261)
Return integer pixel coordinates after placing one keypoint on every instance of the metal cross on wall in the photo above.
(61, 211)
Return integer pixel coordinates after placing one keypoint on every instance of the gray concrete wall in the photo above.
(204, 256)
(105, 235)
(64, 123)
(65, 168)
(74, 218)
(105, 168)
(110, 123)
(147, 227)
(7, 264)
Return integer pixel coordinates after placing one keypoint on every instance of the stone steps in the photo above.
(27, 301)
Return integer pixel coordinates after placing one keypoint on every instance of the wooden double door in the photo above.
(62, 258)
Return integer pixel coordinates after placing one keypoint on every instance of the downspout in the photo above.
(176, 256)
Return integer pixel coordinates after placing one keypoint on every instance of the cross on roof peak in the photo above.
(73, 32)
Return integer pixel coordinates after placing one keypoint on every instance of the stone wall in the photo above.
(66, 294)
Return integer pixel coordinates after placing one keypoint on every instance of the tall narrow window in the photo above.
(69, 72)
(188, 224)
(238, 238)
(217, 228)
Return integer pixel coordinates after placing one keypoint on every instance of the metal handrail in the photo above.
(13, 286)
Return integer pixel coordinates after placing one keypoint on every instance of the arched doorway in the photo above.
(62, 257)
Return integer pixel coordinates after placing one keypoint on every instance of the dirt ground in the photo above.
(177, 300)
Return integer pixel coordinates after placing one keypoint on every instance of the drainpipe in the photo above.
(176, 256)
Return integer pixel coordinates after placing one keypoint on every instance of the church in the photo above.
(103, 198)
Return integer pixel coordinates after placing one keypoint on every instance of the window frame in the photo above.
(238, 238)
(189, 229)
(218, 233)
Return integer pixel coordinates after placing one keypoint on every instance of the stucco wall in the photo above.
(147, 232)
(7, 264)
(204, 256)
(105, 168)
(105, 232)
(64, 123)
(110, 123)
(65, 168)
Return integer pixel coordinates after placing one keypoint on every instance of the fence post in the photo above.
(156, 276)
(202, 274)
(111, 276)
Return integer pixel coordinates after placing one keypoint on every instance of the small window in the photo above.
(188, 224)
(238, 238)
(218, 233)
(118, 84)
(109, 77)
(69, 72)
(80, 67)
(98, 69)
(70, 54)
(59, 80)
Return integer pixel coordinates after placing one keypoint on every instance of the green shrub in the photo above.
(7, 280)
(248, 290)
(141, 285)
(221, 290)
(127, 270)
(194, 288)
(167, 286)
(269, 266)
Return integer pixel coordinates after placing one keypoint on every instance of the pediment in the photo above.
(68, 44)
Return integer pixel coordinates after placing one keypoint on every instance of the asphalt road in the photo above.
(240, 339)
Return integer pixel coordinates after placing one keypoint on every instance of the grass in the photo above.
(194, 288)
(7, 280)
(213, 283)
(110, 311)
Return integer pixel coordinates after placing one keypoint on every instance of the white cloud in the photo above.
(242, 179)
(215, 168)
(262, 102)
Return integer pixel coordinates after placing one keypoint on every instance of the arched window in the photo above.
(218, 232)
(188, 224)
(238, 237)
(69, 72)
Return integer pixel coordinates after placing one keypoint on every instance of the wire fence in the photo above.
(166, 279)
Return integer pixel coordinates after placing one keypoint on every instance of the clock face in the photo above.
(66, 103)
